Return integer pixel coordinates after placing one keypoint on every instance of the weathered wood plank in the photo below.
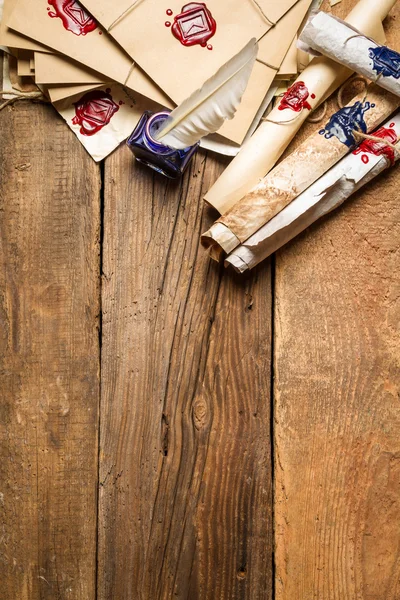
(185, 498)
(337, 414)
(49, 358)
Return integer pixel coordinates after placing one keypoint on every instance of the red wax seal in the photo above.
(295, 98)
(378, 148)
(94, 111)
(73, 16)
(194, 25)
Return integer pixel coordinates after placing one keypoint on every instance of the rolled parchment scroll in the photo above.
(329, 192)
(320, 79)
(337, 40)
(314, 157)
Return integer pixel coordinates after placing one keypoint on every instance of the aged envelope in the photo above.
(168, 40)
(103, 118)
(289, 65)
(67, 28)
(273, 47)
(11, 38)
(58, 69)
(60, 92)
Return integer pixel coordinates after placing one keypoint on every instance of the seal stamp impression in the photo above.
(385, 62)
(94, 111)
(73, 16)
(378, 148)
(296, 98)
(195, 25)
(343, 123)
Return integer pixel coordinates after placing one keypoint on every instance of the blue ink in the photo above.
(385, 61)
(147, 150)
(345, 121)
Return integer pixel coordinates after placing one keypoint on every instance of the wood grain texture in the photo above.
(337, 391)
(49, 358)
(185, 473)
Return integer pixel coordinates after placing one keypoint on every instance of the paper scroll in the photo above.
(297, 172)
(329, 192)
(268, 143)
(335, 39)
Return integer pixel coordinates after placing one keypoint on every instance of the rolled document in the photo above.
(337, 40)
(330, 191)
(320, 79)
(314, 157)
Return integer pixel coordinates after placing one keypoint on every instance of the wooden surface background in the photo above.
(169, 429)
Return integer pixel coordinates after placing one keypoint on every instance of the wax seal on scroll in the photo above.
(378, 148)
(73, 16)
(347, 120)
(194, 25)
(295, 98)
(94, 111)
(385, 61)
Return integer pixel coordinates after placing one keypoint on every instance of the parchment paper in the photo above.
(335, 39)
(314, 157)
(329, 192)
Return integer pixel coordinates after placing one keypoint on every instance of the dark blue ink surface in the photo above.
(343, 123)
(385, 62)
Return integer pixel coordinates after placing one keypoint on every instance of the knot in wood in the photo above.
(200, 413)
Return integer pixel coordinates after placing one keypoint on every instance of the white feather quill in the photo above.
(207, 108)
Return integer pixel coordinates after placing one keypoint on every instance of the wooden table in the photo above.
(169, 429)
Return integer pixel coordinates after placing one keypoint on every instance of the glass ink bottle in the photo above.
(147, 150)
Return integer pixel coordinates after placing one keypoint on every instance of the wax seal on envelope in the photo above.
(194, 25)
(73, 16)
(94, 111)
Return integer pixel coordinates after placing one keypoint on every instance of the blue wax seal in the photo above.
(345, 121)
(385, 62)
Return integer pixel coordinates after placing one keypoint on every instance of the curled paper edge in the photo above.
(258, 207)
(301, 45)
(288, 226)
(322, 197)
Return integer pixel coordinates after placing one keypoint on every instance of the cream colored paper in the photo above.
(289, 65)
(53, 69)
(144, 35)
(216, 143)
(11, 38)
(335, 39)
(325, 195)
(262, 151)
(96, 49)
(60, 92)
(121, 124)
(292, 176)
(273, 48)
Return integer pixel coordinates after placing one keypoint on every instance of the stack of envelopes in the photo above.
(102, 63)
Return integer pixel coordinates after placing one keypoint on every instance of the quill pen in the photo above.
(207, 108)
